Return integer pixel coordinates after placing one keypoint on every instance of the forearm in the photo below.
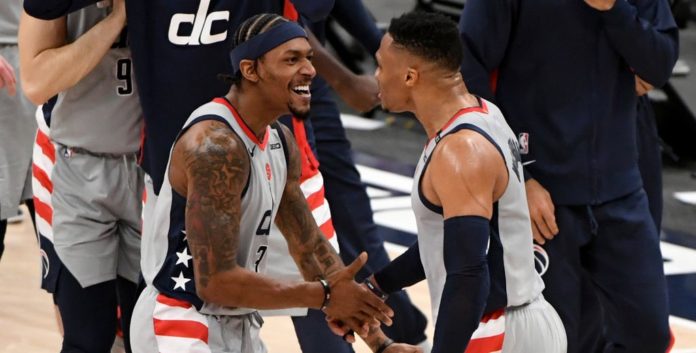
(461, 308)
(467, 284)
(242, 288)
(406, 270)
(328, 67)
(49, 71)
(647, 38)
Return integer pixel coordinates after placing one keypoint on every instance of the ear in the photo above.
(248, 69)
(412, 76)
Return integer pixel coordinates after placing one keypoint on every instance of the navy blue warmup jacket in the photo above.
(563, 75)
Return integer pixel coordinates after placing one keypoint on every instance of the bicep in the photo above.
(36, 36)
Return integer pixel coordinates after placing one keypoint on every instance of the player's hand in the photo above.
(601, 5)
(403, 348)
(118, 10)
(361, 93)
(541, 211)
(352, 303)
(340, 329)
(642, 87)
(7, 77)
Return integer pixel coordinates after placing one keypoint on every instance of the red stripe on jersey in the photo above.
(486, 344)
(289, 11)
(163, 299)
(482, 109)
(42, 177)
(310, 164)
(316, 199)
(46, 145)
(327, 229)
(243, 124)
(141, 157)
(181, 328)
(44, 211)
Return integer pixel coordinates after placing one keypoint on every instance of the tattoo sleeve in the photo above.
(313, 254)
(217, 169)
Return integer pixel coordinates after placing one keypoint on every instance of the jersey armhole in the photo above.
(283, 141)
(427, 203)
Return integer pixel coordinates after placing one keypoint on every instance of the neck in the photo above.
(253, 109)
(439, 101)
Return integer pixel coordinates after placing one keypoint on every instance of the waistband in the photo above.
(78, 150)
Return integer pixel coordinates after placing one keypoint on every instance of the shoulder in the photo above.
(208, 147)
(468, 148)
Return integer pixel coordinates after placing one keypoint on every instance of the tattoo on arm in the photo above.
(312, 252)
(217, 169)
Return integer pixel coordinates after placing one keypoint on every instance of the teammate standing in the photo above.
(86, 180)
(474, 237)
(17, 124)
(577, 130)
(229, 174)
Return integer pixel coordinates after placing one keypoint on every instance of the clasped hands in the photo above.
(355, 308)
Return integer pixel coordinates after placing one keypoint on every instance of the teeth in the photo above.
(301, 90)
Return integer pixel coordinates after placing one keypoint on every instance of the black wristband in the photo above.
(327, 293)
(382, 347)
(374, 289)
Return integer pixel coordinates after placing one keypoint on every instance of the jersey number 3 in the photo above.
(124, 72)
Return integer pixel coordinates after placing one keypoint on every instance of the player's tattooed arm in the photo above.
(215, 168)
(356, 306)
(313, 254)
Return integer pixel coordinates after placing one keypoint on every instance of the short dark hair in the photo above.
(431, 36)
(250, 28)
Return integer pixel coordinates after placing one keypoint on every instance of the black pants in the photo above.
(89, 314)
(3, 225)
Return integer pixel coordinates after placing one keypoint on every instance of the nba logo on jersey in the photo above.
(523, 138)
(268, 171)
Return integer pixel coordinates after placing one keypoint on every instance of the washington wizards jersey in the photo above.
(514, 280)
(101, 113)
(167, 262)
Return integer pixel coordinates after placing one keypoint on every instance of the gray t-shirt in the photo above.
(9, 20)
(102, 112)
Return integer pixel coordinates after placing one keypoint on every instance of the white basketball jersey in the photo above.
(166, 258)
(514, 281)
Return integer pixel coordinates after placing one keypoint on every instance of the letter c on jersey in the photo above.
(202, 23)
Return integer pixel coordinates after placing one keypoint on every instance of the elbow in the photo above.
(34, 91)
(214, 290)
(211, 291)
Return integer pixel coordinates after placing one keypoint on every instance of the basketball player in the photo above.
(474, 235)
(17, 125)
(229, 174)
(158, 51)
(87, 184)
(588, 206)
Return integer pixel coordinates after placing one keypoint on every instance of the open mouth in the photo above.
(302, 91)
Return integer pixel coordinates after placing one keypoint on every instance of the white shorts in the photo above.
(535, 327)
(163, 324)
(531, 328)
